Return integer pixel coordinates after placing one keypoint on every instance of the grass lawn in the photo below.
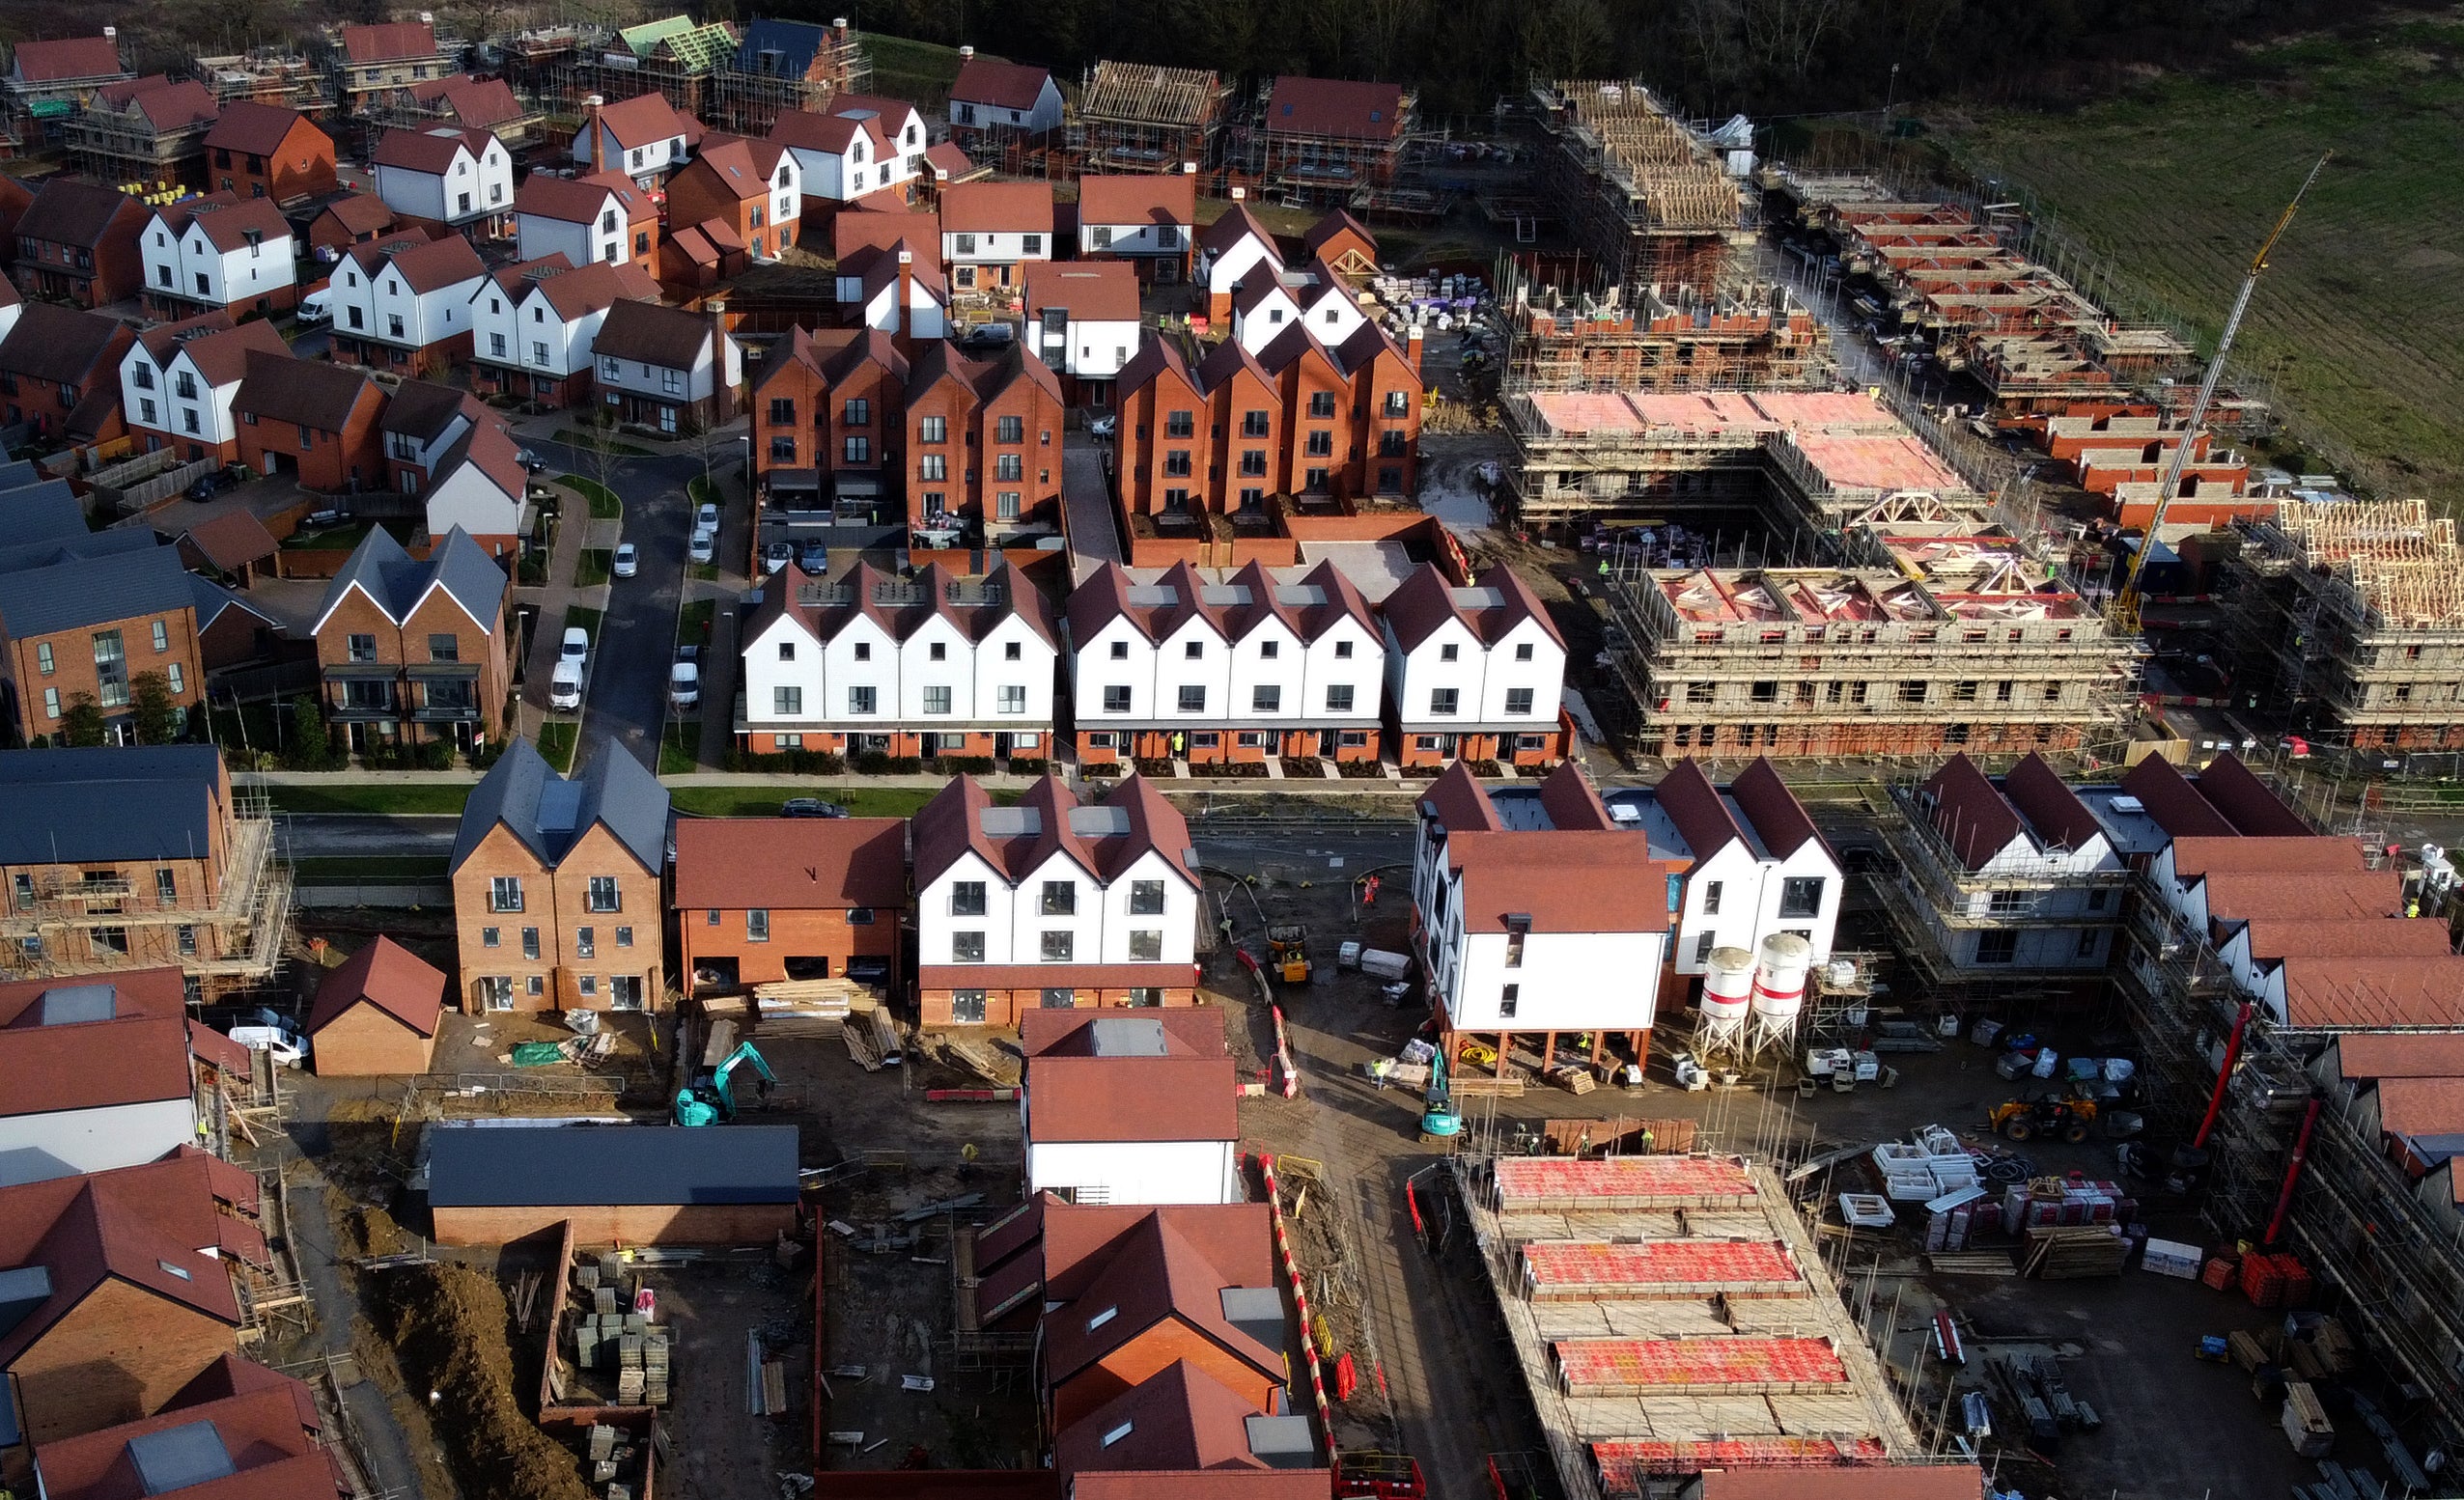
(693, 622)
(588, 619)
(2355, 322)
(404, 798)
(335, 539)
(764, 801)
(701, 491)
(680, 747)
(587, 443)
(706, 573)
(592, 569)
(557, 742)
(373, 870)
(906, 69)
(605, 506)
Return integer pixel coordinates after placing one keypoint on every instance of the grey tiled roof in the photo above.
(614, 789)
(93, 590)
(134, 803)
(395, 583)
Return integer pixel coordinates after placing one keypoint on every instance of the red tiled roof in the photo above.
(174, 106)
(2250, 895)
(791, 864)
(386, 42)
(1141, 198)
(869, 231)
(2307, 853)
(1713, 1265)
(258, 129)
(998, 209)
(581, 200)
(67, 57)
(1460, 802)
(481, 104)
(425, 265)
(1156, 1273)
(361, 213)
(833, 132)
(232, 540)
(946, 159)
(232, 1375)
(1131, 1098)
(1541, 1183)
(2050, 806)
(2420, 1106)
(2383, 1056)
(1426, 600)
(1648, 1367)
(1179, 1419)
(1579, 881)
(597, 286)
(1089, 290)
(430, 150)
(1236, 224)
(2172, 802)
(1778, 816)
(1080, 1240)
(273, 1455)
(388, 976)
(2373, 994)
(1334, 107)
(1333, 226)
(1970, 812)
(140, 1055)
(982, 80)
(643, 118)
(736, 166)
(150, 1226)
(2235, 790)
(1189, 1031)
(240, 222)
(952, 823)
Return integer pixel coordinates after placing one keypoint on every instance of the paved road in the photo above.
(347, 836)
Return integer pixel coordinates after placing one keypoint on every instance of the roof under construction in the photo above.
(1143, 93)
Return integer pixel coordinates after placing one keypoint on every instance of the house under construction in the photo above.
(1756, 337)
(267, 76)
(730, 80)
(2351, 613)
(1649, 203)
(1136, 117)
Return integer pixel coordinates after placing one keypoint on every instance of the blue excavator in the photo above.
(711, 1098)
(1438, 1119)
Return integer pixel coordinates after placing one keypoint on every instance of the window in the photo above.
(966, 897)
(1005, 506)
(966, 947)
(1176, 462)
(1009, 466)
(585, 942)
(1178, 423)
(143, 375)
(1060, 947)
(1523, 653)
(938, 651)
(1322, 404)
(782, 411)
(1444, 700)
(757, 926)
(166, 888)
(363, 647)
(1449, 652)
(862, 700)
(858, 449)
(1253, 424)
(2096, 900)
(1116, 700)
(1508, 998)
(1711, 894)
(42, 657)
(1266, 698)
(1146, 944)
(175, 679)
(863, 651)
(1060, 899)
(1515, 936)
(671, 381)
(109, 940)
(1801, 896)
(624, 937)
(787, 700)
(782, 450)
(444, 648)
(933, 468)
(1194, 699)
(530, 943)
(2086, 942)
(1013, 700)
(1398, 403)
(505, 892)
(855, 411)
(859, 916)
(1010, 429)
(604, 895)
(1194, 650)
(933, 430)
(1120, 650)
(1321, 443)
(966, 1007)
(51, 702)
(1997, 947)
(496, 346)
(492, 936)
(1339, 698)
(937, 700)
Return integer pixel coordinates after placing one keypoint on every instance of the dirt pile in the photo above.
(448, 1325)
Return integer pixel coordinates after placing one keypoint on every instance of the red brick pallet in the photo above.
(1686, 1366)
(1559, 1270)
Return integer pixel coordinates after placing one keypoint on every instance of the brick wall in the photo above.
(72, 664)
(636, 1224)
(364, 1041)
(117, 1356)
(556, 902)
(825, 933)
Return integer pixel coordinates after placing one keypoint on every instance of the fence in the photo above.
(140, 483)
(394, 897)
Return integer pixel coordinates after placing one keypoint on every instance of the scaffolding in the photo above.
(118, 144)
(1322, 169)
(1136, 117)
(2043, 906)
(694, 65)
(267, 76)
(1754, 336)
(1645, 198)
(2352, 614)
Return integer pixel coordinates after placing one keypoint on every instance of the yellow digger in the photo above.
(2068, 1116)
(1287, 953)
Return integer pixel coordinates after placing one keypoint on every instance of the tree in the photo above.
(310, 750)
(81, 725)
(152, 713)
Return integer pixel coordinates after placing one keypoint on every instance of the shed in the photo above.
(377, 1013)
(619, 1185)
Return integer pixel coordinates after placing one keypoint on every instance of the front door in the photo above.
(1326, 744)
(1001, 746)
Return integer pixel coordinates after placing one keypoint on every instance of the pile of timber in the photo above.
(2056, 1253)
(809, 1006)
(1483, 1086)
(874, 1040)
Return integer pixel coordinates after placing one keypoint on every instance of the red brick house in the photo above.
(983, 441)
(345, 220)
(766, 898)
(263, 1442)
(264, 151)
(313, 420)
(749, 185)
(1206, 440)
(60, 371)
(1352, 414)
(829, 421)
(77, 242)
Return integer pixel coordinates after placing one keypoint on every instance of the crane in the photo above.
(2125, 606)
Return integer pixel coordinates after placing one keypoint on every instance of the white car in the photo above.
(627, 562)
(289, 1048)
(705, 518)
(565, 686)
(685, 685)
(703, 547)
(576, 646)
(776, 556)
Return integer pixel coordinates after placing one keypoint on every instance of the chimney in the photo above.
(1419, 345)
(722, 391)
(1240, 193)
(591, 103)
(905, 290)
(967, 54)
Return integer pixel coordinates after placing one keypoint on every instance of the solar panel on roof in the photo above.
(180, 1456)
(560, 806)
(1012, 822)
(66, 1005)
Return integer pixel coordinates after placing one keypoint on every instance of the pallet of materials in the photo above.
(2305, 1420)
(2171, 1258)
(2059, 1253)
(808, 1007)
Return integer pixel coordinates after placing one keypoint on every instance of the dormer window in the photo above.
(1092, 1323)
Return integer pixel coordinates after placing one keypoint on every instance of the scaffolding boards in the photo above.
(1645, 198)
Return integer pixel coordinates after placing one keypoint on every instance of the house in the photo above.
(1271, 304)
(476, 485)
(1537, 931)
(614, 1184)
(377, 59)
(1473, 673)
(377, 1013)
(77, 243)
(447, 178)
(235, 545)
(1148, 220)
(870, 664)
(996, 99)
(109, 1070)
(404, 303)
(16, 197)
(1327, 138)
(1240, 670)
(470, 104)
(1082, 320)
(751, 187)
(827, 419)
(1140, 118)
(760, 899)
(422, 421)
(1184, 1432)
(694, 258)
(414, 650)
(645, 138)
(1229, 250)
(1344, 244)
(1209, 440)
(1049, 904)
(265, 1441)
(587, 220)
(311, 418)
(148, 130)
(124, 1286)
(218, 251)
(90, 618)
(856, 146)
(895, 288)
(665, 368)
(63, 76)
(984, 443)
(60, 371)
(818, 59)
(156, 819)
(1297, 418)
(339, 221)
(988, 228)
(2004, 876)
(1755, 867)
(1129, 1109)
(178, 383)
(556, 886)
(231, 631)
(536, 323)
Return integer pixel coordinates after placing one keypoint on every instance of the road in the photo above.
(362, 836)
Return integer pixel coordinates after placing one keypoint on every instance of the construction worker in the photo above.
(1369, 890)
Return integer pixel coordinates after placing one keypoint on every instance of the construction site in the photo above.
(1136, 117)
(730, 79)
(1648, 202)
(1751, 337)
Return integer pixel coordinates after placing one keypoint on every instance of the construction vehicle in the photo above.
(2069, 1116)
(1438, 1117)
(711, 1098)
(1378, 1476)
(2124, 612)
(1287, 953)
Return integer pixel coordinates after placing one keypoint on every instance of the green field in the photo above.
(904, 69)
(370, 796)
(2356, 324)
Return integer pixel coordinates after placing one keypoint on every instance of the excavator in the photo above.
(1438, 1117)
(710, 1098)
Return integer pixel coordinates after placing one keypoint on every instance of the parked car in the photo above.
(1103, 427)
(287, 1045)
(685, 685)
(576, 645)
(810, 807)
(205, 488)
(777, 555)
(531, 463)
(815, 558)
(318, 521)
(703, 547)
(565, 686)
(316, 308)
(705, 518)
(627, 562)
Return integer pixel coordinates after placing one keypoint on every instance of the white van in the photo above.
(316, 307)
(565, 687)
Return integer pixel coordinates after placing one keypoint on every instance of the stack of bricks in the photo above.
(1687, 1367)
(1657, 1270)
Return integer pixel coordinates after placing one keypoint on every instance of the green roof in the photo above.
(700, 49)
(647, 35)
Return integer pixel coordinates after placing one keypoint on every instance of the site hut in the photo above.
(613, 1184)
(107, 1072)
(1474, 673)
(377, 1013)
(760, 900)
(1540, 931)
(1131, 1110)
